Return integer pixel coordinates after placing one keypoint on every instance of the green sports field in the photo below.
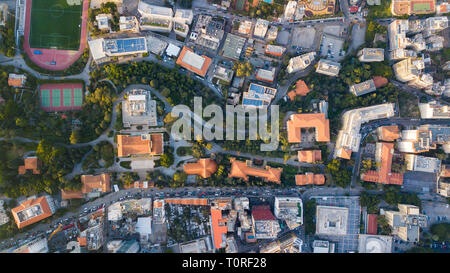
(421, 7)
(55, 24)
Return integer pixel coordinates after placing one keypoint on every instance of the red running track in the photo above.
(63, 58)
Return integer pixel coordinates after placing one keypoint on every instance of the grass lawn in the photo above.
(55, 24)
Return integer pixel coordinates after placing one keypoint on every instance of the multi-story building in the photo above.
(140, 145)
(434, 109)
(298, 121)
(155, 18)
(349, 138)
(103, 50)
(139, 109)
(406, 222)
(261, 28)
(328, 67)
(383, 158)
(424, 138)
(258, 96)
(265, 225)
(367, 55)
(33, 210)
(194, 62)
(289, 209)
(300, 62)
(208, 31)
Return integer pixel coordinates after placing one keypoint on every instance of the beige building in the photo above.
(406, 222)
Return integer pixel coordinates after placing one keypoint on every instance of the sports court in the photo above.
(422, 6)
(55, 24)
(61, 97)
(55, 32)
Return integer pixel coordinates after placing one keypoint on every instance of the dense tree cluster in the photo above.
(96, 113)
(370, 201)
(181, 88)
(8, 41)
(105, 8)
(340, 172)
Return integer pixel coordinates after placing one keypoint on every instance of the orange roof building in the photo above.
(33, 210)
(301, 89)
(204, 167)
(30, 163)
(193, 62)
(309, 156)
(445, 171)
(148, 144)
(241, 169)
(298, 121)
(187, 201)
(388, 133)
(309, 179)
(96, 183)
(68, 194)
(15, 80)
(219, 228)
(383, 155)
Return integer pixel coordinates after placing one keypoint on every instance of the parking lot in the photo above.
(303, 37)
(436, 212)
(419, 182)
(349, 242)
(331, 47)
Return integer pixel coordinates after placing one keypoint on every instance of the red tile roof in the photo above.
(219, 227)
(384, 175)
(202, 71)
(136, 145)
(301, 89)
(30, 163)
(389, 133)
(309, 179)
(298, 121)
(262, 213)
(45, 208)
(68, 194)
(240, 169)
(372, 225)
(204, 167)
(309, 156)
(380, 81)
(100, 182)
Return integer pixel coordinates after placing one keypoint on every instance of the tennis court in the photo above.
(45, 98)
(67, 97)
(56, 97)
(55, 24)
(61, 97)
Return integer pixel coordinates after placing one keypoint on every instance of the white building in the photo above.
(434, 109)
(103, 49)
(349, 137)
(289, 209)
(155, 18)
(139, 109)
(290, 10)
(367, 55)
(300, 62)
(420, 163)
(128, 24)
(261, 28)
(374, 244)
(328, 67)
(331, 220)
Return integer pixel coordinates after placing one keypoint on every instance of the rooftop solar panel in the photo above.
(257, 88)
